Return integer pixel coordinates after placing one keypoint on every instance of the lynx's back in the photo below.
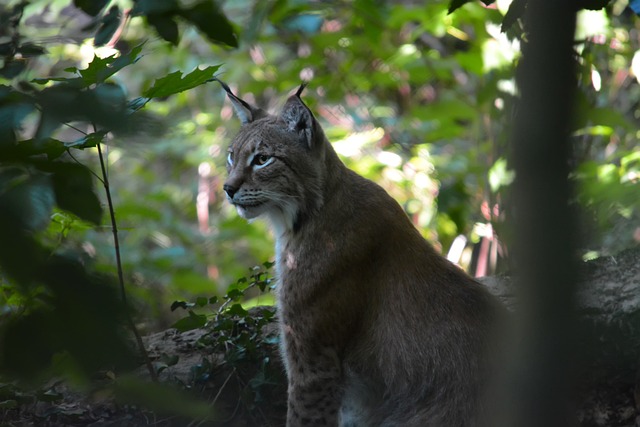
(377, 329)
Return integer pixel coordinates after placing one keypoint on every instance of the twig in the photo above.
(82, 164)
(114, 229)
(215, 399)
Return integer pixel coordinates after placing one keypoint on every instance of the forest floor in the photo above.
(223, 388)
(248, 394)
(230, 375)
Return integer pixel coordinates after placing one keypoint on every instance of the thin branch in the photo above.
(82, 164)
(76, 129)
(114, 229)
(215, 399)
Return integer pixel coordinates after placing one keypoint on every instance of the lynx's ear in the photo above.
(245, 112)
(298, 118)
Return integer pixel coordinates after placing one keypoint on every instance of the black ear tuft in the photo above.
(298, 118)
(245, 112)
(301, 88)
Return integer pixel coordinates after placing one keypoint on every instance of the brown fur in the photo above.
(377, 329)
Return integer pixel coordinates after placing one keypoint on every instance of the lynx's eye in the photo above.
(262, 160)
(230, 159)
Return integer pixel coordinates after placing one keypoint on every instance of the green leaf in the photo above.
(27, 199)
(193, 321)
(32, 147)
(99, 69)
(14, 107)
(174, 83)
(109, 24)
(12, 67)
(28, 50)
(456, 4)
(181, 304)
(515, 12)
(201, 301)
(211, 21)
(69, 80)
(165, 26)
(91, 7)
(137, 103)
(236, 309)
(607, 116)
(73, 186)
(499, 175)
(150, 7)
(90, 140)
(234, 294)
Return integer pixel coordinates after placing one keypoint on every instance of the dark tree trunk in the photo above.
(537, 380)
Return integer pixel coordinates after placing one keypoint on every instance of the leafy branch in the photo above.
(237, 335)
(34, 180)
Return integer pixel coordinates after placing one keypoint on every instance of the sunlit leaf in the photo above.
(174, 83)
(99, 69)
(90, 140)
(236, 309)
(499, 175)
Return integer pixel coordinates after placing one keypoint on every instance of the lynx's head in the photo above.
(276, 163)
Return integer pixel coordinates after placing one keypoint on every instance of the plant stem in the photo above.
(114, 229)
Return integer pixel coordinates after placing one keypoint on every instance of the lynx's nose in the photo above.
(230, 190)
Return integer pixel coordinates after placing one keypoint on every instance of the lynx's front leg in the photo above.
(315, 375)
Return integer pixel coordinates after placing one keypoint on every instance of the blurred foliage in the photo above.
(417, 99)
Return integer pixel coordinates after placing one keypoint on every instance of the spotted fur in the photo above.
(377, 329)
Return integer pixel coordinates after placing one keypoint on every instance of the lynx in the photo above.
(377, 329)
